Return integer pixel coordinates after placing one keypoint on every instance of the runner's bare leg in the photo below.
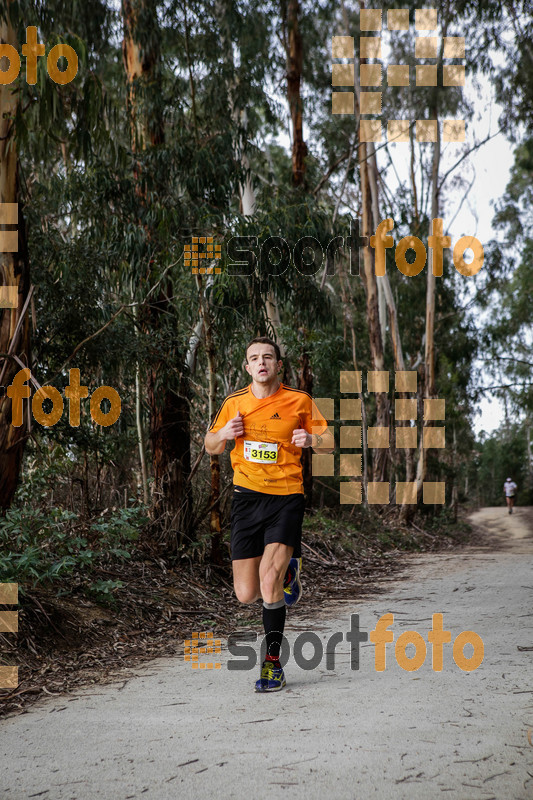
(262, 576)
(272, 571)
(246, 579)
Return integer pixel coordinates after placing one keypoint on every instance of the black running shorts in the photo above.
(258, 519)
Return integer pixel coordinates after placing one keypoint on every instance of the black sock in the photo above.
(274, 622)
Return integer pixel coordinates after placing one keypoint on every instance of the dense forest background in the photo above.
(214, 120)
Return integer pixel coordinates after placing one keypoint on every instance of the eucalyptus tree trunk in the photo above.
(381, 457)
(139, 419)
(214, 461)
(14, 325)
(529, 461)
(384, 283)
(380, 466)
(430, 389)
(454, 504)
(294, 53)
(294, 77)
(429, 355)
(169, 405)
(429, 352)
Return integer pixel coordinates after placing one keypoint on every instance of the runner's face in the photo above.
(262, 364)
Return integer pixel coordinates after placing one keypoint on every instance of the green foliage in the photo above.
(507, 335)
(50, 548)
(501, 455)
(102, 591)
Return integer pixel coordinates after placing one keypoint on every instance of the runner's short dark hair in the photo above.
(264, 340)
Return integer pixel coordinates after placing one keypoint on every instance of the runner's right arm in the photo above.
(215, 443)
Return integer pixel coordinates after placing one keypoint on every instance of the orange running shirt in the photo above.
(264, 458)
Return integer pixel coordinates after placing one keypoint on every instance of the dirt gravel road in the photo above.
(169, 731)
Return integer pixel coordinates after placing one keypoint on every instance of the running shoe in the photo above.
(292, 587)
(272, 678)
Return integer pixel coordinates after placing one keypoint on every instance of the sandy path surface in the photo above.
(335, 731)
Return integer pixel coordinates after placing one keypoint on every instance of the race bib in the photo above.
(261, 452)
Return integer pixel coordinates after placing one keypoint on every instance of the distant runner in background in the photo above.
(510, 487)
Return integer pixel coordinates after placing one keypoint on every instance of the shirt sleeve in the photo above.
(222, 416)
(312, 419)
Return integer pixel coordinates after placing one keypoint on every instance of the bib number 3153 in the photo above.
(261, 452)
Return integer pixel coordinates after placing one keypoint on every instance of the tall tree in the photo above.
(167, 394)
(14, 322)
(295, 51)
(436, 110)
(375, 330)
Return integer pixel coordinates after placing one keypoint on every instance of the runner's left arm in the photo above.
(314, 431)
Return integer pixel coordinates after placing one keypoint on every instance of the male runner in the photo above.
(509, 488)
(270, 423)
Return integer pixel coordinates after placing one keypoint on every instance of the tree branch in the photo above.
(465, 155)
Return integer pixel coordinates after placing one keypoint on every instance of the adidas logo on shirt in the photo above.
(275, 416)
